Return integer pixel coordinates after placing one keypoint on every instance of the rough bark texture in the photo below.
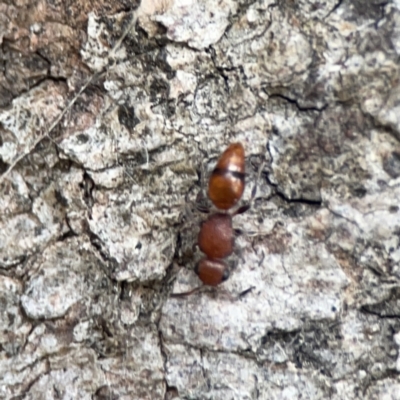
(112, 113)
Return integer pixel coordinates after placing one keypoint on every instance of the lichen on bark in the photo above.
(112, 115)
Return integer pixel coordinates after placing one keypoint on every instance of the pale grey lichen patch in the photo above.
(296, 157)
(147, 10)
(363, 354)
(362, 75)
(252, 131)
(93, 148)
(363, 213)
(375, 100)
(361, 349)
(24, 234)
(55, 288)
(37, 219)
(96, 49)
(29, 117)
(376, 220)
(137, 238)
(319, 153)
(385, 389)
(183, 83)
(224, 375)
(200, 24)
(361, 341)
(109, 178)
(270, 50)
(101, 145)
(210, 100)
(184, 369)
(63, 276)
(179, 57)
(252, 379)
(51, 295)
(361, 234)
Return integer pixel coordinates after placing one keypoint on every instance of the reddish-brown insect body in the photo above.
(216, 237)
(212, 272)
(226, 184)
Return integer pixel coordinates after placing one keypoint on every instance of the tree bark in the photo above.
(113, 114)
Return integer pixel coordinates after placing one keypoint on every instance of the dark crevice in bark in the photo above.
(296, 103)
